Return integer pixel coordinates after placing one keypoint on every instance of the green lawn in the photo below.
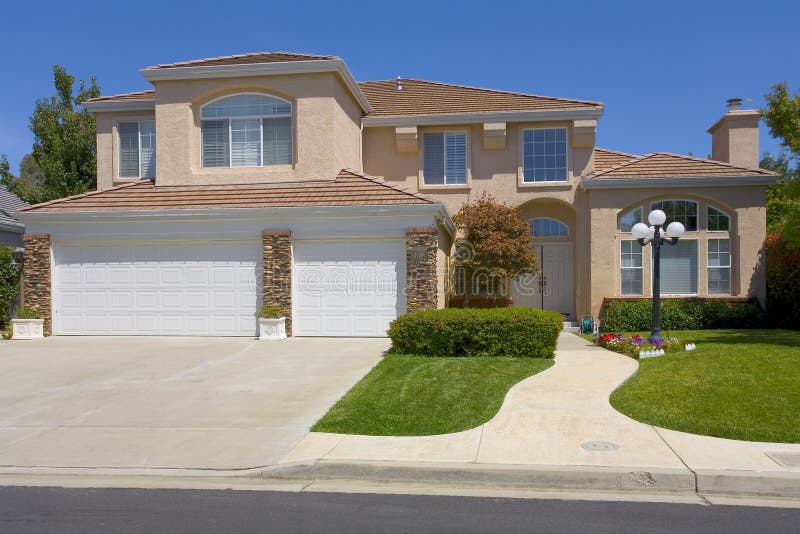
(417, 395)
(738, 384)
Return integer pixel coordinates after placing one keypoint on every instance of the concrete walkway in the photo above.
(548, 422)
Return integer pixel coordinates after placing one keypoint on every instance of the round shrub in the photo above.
(520, 332)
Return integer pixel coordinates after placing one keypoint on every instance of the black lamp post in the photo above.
(656, 236)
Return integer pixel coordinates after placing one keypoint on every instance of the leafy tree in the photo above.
(9, 282)
(494, 244)
(782, 200)
(64, 146)
(782, 115)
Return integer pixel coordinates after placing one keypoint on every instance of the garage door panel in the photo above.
(157, 289)
(347, 288)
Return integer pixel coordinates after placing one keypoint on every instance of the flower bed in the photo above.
(637, 346)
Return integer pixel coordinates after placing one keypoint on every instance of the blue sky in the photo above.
(663, 69)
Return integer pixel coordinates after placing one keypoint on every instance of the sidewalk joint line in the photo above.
(678, 456)
(480, 442)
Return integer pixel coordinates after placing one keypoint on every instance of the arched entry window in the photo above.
(246, 130)
(547, 227)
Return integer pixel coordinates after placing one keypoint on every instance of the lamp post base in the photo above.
(655, 339)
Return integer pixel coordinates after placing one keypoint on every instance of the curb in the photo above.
(767, 483)
(495, 475)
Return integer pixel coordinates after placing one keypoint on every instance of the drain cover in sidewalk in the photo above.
(599, 446)
(786, 459)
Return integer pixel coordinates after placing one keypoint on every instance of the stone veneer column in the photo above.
(36, 277)
(421, 284)
(277, 271)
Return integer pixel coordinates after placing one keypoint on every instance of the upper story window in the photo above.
(445, 158)
(137, 149)
(683, 211)
(544, 155)
(717, 221)
(630, 218)
(248, 130)
(547, 227)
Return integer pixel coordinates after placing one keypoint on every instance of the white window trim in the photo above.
(725, 213)
(729, 266)
(522, 180)
(467, 173)
(640, 268)
(260, 126)
(565, 225)
(697, 274)
(138, 148)
(697, 210)
(640, 209)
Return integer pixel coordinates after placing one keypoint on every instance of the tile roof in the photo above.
(349, 188)
(420, 97)
(666, 165)
(136, 95)
(9, 202)
(605, 158)
(244, 59)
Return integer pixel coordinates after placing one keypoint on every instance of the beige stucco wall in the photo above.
(107, 151)
(326, 130)
(745, 205)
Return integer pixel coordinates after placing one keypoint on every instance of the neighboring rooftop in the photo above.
(421, 97)
(245, 59)
(136, 95)
(605, 158)
(666, 165)
(9, 202)
(349, 188)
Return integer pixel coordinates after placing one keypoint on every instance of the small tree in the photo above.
(493, 244)
(9, 283)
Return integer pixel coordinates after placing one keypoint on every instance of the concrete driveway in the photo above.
(194, 403)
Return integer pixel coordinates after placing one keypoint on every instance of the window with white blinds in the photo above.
(679, 268)
(137, 149)
(444, 158)
(630, 267)
(248, 130)
(719, 267)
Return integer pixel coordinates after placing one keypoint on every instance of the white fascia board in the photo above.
(276, 213)
(703, 181)
(120, 105)
(474, 118)
(261, 69)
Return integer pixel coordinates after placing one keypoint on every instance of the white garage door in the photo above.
(348, 288)
(199, 289)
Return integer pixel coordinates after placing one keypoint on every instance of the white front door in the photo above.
(183, 289)
(348, 287)
(551, 288)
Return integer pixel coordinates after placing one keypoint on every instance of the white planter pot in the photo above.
(27, 328)
(271, 328)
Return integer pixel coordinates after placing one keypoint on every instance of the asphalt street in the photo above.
(62, 510)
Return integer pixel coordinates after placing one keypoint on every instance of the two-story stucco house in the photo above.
(277, 178)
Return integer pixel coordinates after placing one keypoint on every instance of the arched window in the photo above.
(630, 218)
(547, 227)
(683, 211)
(717, 220)
(246, 130)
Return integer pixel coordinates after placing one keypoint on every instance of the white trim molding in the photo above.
(700, 181)
(155, 74)
(439, 119)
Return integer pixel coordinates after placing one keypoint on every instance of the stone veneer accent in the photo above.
(421, 283)
(277, 271)
(36, 277)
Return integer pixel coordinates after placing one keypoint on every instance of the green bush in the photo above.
(783, 282)
(28, 313)
(9, 283)
(682, 314)
(269, 312)
(520, 332)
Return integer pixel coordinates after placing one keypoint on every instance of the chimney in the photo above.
(734, 137)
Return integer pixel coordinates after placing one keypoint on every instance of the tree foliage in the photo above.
(783, 197)
(493, 241)
(782, 115)
(64, 146)
(9, 282)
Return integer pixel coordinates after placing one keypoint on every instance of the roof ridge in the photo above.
(618, 152)
(714, 161)
(636, 159)
(487, 89)
(385, 183)
(131, 93)
(83, 195)
(190, 62)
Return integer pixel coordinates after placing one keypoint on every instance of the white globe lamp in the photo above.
(657, 217)
(640, 231)
(675, 229)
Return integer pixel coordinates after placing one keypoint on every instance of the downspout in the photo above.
(361, 147)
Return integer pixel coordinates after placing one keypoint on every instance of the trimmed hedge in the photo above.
(682, 314)
(520, 332)
(783, 282)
